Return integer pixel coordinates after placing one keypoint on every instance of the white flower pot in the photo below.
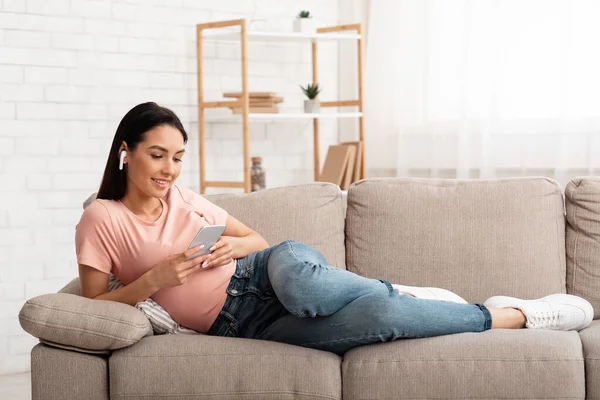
(303, 25)
(312, 106)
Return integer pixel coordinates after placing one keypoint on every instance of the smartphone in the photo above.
(207, 235)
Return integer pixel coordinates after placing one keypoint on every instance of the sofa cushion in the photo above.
(311, 213)
(184, 366)
(583, 239)
(478, 238)
(590, 339)
(499, 363)
(79, 322)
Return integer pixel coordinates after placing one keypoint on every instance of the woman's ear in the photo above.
(123, 147)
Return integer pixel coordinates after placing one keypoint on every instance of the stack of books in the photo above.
(342, 164)
(260, 102)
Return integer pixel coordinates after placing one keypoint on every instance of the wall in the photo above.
(69, 71)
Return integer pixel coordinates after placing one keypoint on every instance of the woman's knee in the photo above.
(303, 252)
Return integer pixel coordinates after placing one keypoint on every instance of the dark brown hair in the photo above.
(131, 130)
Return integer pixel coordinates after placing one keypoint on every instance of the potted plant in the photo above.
(301, 22)
(312, 105)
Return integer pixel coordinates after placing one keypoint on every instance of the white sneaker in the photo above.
(431, 293)
(561, 312)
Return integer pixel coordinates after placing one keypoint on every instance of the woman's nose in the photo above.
(169, 168)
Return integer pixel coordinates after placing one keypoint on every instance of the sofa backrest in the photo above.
(478, 238)
(582, 196)
(310, 213)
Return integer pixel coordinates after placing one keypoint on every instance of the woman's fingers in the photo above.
(215, 258)
(220, 242)
(195, 262)
(190, 252)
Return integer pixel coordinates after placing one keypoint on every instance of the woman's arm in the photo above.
(172, 271)
(94, 285)
(243, 240)
(237, 241)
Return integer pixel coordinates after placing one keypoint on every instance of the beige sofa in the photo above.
(477, 238)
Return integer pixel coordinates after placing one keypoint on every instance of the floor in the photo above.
(15, 387)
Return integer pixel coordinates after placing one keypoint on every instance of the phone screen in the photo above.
(208, 235)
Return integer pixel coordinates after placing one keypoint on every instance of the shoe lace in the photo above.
(544, 319)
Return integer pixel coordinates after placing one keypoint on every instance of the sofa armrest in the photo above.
(82, 323)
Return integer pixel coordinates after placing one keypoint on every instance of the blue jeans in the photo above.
(288, 293)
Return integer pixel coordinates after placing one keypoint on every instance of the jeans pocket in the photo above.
(242, 269)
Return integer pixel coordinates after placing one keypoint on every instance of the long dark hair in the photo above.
(131, 130)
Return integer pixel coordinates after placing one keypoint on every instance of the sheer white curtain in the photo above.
(483, 88)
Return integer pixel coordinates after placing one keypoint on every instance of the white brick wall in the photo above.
(70, 70)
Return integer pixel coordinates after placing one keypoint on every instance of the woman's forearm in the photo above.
(136, 291)
(242, 246)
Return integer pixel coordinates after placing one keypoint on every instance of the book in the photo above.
(335, 164)
(349, 171)
(269, 103)
(358, 158)
(266, 110)
(258, 95)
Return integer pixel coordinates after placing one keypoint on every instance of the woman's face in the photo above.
(155, 164)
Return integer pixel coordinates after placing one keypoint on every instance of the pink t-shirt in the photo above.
(110, 238)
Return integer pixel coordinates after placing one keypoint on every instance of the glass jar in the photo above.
(257, 175)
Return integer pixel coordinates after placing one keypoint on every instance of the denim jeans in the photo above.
(288, 293)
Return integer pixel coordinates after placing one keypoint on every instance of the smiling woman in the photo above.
(144, 121)
(141, 225)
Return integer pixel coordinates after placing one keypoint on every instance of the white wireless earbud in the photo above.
(123, 153)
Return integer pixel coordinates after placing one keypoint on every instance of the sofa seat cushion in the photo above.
(590, 339)
(499, 363)
(477, 238)
(201, 366)
(79, 323)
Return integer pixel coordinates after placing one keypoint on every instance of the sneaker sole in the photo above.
(432, 293)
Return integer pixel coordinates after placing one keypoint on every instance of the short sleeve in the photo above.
(214, 214)
(95, 242)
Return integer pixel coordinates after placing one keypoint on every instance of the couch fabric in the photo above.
(78, 322)
(477, 238)
(312, 213)
(509, 364)
(582, 196)
(58, 374)
(210, 367)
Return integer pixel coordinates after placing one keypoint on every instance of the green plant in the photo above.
(311, 90)
(303, 14)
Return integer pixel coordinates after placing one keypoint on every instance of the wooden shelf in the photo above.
(280, 36)
(242, 35)
(279, 116)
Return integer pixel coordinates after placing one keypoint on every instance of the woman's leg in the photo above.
(357, 310)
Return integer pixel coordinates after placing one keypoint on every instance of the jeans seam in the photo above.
(388, 284)
(289, 244)
(403, 336)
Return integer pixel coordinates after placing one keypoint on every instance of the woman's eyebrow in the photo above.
(163, 149)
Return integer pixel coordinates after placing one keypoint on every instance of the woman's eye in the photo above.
(178, 160)
(155, 156)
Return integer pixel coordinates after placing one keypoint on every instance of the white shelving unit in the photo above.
(243, 35)
(281, 36)
(279, 116)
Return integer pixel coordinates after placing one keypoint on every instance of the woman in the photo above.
(140, 226)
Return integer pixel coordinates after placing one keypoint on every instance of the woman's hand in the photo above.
(221, 253)
(174, 270)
